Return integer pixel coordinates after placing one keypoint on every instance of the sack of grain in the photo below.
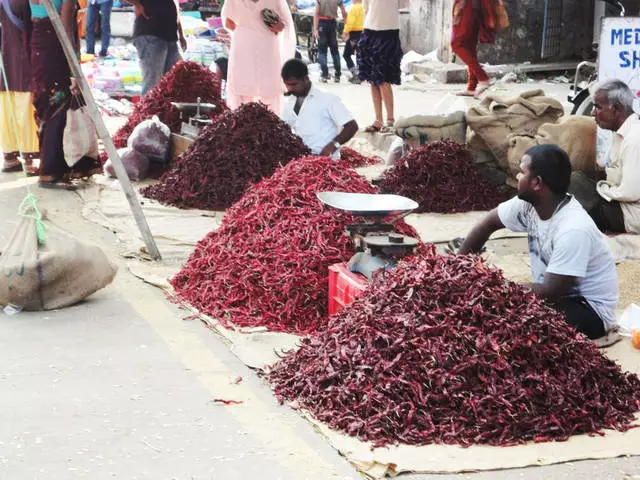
(422, 129)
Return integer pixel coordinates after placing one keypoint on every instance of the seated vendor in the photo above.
(572, 266)
(319, 118)
(614, 202)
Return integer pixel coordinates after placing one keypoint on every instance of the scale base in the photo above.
(367, 264)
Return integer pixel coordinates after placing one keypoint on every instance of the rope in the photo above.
(29, 206)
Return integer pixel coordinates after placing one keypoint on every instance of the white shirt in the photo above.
(320, 119)
(569, 243)
(381, 15)
(623, 173)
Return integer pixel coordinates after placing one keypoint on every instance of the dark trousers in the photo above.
(328, 40)
(579, 313)
(350, 47)
(105, 26)
(607, 216)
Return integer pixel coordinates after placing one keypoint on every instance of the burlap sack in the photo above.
(575, 134)
(496, 118)
(422, 129)
(55, 274)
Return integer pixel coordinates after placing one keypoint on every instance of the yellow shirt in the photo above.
(355, 19)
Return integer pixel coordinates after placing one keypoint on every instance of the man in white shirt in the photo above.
(571, 264)
(614, 203)
(319, 118)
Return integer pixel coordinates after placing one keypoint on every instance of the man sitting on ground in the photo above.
(572, 266)
(319, 118)
(614, 203)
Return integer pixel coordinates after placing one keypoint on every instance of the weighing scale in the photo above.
(376, 242)
(194, 116)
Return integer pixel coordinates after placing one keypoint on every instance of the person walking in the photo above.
(53, 89)
(258, 51)
(352, 32)
(102, 7)
(156, 33)
(379, 56)
(467, 23)
(325, 29)
(18, 131)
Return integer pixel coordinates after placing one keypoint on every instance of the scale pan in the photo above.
(366, 204)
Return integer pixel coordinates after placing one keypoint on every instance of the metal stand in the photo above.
(102, 131)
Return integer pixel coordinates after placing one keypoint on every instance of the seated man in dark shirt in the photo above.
(156, 32)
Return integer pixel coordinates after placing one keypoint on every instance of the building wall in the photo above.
(428, 27)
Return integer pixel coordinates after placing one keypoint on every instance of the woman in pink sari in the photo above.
(257, 51)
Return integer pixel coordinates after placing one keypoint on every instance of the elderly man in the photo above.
(614, 203)
(319, 118)
(572, 266)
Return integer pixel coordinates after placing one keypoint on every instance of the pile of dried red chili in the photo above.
(355, 159)
(440, 176)
(444, 350)
(185, 82)
(267, 264)
(238, 149)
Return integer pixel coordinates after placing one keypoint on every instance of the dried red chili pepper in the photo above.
(267, 264)
(440, 176)
(443, 349)
(238, 149)
(185, 82)
(355, 159)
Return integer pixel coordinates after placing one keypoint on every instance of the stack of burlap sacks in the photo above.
(504, 128)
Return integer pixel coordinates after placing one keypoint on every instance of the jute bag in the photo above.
(45, 268)
(422, 129)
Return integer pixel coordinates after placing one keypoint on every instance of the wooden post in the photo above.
(101, 128)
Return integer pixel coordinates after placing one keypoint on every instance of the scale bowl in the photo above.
(368, 204)
(192, 108)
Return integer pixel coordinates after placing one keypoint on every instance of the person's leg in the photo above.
(105, 27)
(386, 91)
(92, 14)
(376, 97)
(173, 56)
(53, 167)
(323, 46)
(152, 52)
(335, 52)
(464, 44)
(347, 53)
(579, 313)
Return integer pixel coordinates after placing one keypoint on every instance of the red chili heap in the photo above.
(238, 149)
(355, 159)
(185, 82)
(440, 176)
(267, 263)
(444, 350)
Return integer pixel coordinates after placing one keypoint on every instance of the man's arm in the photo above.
(479, 234)
(349, 129)
(343, 11)
(316, 20)
(553, 286)
(181, 39)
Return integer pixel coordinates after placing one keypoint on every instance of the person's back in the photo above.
(160, 20)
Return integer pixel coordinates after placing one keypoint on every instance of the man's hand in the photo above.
(345, 36)
(183, 43)
(75, 86)
(316, 34)
(328, 150)
(139, 9)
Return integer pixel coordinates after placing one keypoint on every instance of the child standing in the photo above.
(352, 32)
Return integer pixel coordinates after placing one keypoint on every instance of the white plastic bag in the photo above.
(135, 163)
(630, 320)
(152, 139)
(79, 139)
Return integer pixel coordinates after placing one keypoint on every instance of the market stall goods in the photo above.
(440, 176)
(185, 82)
(267, 264)
(355, 159)
(240, 148)
(443, 349)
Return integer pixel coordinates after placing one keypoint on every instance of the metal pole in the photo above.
(101, 128)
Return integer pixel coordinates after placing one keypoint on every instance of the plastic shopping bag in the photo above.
(80, 138)
(152, 139)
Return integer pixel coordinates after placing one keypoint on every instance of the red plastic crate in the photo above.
(344, 286)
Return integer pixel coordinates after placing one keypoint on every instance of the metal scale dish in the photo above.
(377, 243)
(196, 116)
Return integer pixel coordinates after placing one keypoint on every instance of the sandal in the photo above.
(57, 185)
(374, 127)
(389, 127)
(12, 168)
(480, 89)
(466, 93)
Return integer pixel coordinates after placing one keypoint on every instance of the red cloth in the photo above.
(467, 23)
